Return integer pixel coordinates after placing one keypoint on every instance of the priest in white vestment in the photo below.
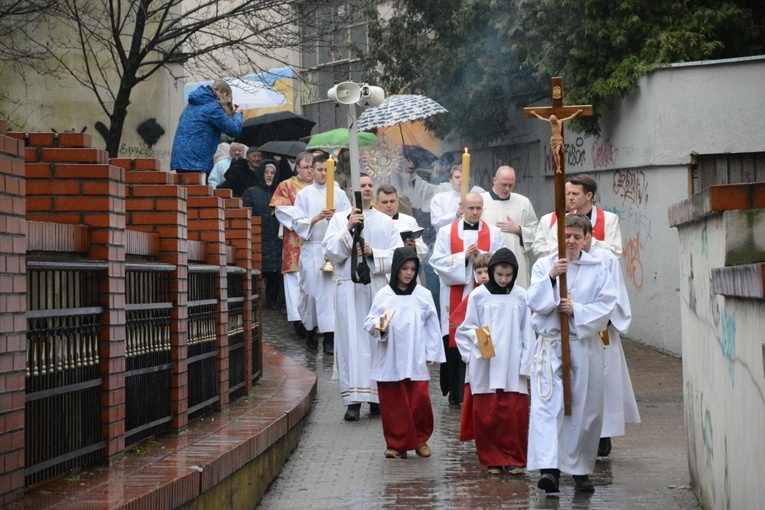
(312, 214)
(353, 345)
(558, 442)
(387, 203)
(514, 215)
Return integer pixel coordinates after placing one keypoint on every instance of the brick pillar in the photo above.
(155, 204)
(257, 265)
(13, 291)
(70, 182)
(206, 223)
(239, 237)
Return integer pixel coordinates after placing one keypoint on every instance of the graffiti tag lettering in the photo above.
(633, 264)
(603, 155)
(631, 186)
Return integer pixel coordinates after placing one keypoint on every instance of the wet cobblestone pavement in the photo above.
(340, 465)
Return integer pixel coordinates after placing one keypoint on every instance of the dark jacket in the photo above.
(199, 129)
(258, 197)
(240, 176)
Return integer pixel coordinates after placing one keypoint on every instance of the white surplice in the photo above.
(546, 239)
(316, 304)
(412, 339)
(353, 345)
(568, 443)
(509, 322)
(519, 209)
(619, 405)
(451, 267)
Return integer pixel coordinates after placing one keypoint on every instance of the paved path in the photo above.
(342, 465)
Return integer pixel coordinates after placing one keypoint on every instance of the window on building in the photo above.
(332, 58)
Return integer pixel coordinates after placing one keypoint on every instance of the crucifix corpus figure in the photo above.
(556, 115)
(556, 140)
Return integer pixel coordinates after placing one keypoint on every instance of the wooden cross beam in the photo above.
(556, 115)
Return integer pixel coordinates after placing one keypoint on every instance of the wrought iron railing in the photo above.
(236, 362)
(257, 340)
(202, 339)
(63, 375)
(147, 351)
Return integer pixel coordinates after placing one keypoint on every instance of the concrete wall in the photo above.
(722, 312)
(640, 162)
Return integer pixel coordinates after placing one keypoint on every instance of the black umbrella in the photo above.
(274, 127)
(284, 148)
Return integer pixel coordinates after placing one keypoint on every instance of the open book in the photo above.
(415, 233)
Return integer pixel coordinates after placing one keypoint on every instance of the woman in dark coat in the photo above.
(258, 197)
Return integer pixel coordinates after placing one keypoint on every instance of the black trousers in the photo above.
(452, 374)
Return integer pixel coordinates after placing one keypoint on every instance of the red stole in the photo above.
(598, 230)
(455, 291)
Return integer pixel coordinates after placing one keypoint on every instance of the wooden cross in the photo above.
(556, 115)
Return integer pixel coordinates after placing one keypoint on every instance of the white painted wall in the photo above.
(722, 371)
(640, 163)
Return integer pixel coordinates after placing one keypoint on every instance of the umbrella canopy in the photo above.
(399, 108)
(277, 126)
(284, 148)
(338, 139)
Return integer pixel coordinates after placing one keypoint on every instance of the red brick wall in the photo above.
(62, 180)
(13, 290)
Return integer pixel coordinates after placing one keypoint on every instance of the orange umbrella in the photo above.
(412, 133)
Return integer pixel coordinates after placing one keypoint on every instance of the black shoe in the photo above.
(353, 412)
(604, 447)
(299, 329)
(454, 399)
(583, 483)
(548, 483)
(311, 339)
(329, 344)
(374, 408)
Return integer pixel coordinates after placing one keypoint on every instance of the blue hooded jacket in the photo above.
(199, 129)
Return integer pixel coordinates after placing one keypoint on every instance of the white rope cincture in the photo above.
(543, 363)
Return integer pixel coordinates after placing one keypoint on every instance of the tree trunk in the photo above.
(117, 118)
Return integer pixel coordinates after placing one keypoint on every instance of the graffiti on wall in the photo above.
(632, 186)
(728, 340)
(603, 154)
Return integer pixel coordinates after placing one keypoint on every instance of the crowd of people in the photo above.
(389, 300)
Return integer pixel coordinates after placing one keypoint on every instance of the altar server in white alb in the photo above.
(406, 345)
(316, 305)
(457, 245)
(514, 215)
(619, 405)
(499, 384)
(558, 442)
(353, 345)
(580, 195)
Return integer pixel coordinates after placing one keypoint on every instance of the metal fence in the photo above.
(202, 342)
(147, 351)
(63, 376)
